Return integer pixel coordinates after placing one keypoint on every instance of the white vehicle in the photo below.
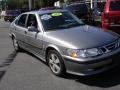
(2, 13)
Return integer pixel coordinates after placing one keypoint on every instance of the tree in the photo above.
(17, 4)
(24, 4)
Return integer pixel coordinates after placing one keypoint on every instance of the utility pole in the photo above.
(91, 4)
(5, 4)
(30, 5)
(33, 1)
(0, 5)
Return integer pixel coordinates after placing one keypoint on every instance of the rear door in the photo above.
(20, 30)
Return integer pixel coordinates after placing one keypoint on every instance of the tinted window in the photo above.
(13, 12)
(22, 20)
(77, 7)
(59, 20)
(115, 5)
(32, 21)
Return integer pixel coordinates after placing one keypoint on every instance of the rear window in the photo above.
(115, 6)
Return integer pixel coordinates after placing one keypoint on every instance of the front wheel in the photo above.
(56, 63)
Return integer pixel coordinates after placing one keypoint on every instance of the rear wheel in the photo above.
(15, 44)
(56, 63)
(10, 20)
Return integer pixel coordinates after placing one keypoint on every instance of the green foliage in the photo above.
(24, 4)
(39, 3)
(17, 4)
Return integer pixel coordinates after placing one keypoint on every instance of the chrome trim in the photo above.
(110, 47)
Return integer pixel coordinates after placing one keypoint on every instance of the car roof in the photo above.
(75, 3)
(113, 0)
(42, 11)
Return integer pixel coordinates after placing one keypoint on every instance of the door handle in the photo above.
(25, 32)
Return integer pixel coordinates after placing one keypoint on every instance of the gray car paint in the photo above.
(81, 37)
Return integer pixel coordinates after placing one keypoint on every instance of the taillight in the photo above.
(105, 18)
(105, 21)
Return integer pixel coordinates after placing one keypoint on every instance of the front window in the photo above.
(32, 21)
(115, 6)
(59, 20)
(22, 20)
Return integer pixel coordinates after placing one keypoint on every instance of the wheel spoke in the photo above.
(57, 68)
(57, 61)
(51, 61)
(54, 68)
(53, 57)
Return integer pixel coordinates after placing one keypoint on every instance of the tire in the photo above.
(16, 45)
(10, 20)
(5, 20)
(56, 63)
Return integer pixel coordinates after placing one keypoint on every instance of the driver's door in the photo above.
(35, 45)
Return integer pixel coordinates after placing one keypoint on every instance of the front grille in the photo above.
(110, 47)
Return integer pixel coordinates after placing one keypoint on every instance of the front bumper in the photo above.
(90, 66)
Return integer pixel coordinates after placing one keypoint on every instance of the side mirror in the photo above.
(32, 29)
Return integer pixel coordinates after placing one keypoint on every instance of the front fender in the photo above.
(54, 47)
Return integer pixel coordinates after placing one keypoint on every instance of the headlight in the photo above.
(84, 53)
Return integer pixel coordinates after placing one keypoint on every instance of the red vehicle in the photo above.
(111, 15)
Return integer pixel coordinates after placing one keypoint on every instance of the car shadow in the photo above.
(106, 79)
(2, 73)
(35, 57)
(4, 65)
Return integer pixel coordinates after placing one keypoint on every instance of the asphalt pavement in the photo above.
(23, 71)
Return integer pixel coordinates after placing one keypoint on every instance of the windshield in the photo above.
(59, 20)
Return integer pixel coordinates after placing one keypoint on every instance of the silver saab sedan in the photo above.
(65, 43)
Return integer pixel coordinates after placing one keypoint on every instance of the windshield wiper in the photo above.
(70, 25)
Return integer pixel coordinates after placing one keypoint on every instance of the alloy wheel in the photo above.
(54, 63)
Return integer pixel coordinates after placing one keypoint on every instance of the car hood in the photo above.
(81, 37)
